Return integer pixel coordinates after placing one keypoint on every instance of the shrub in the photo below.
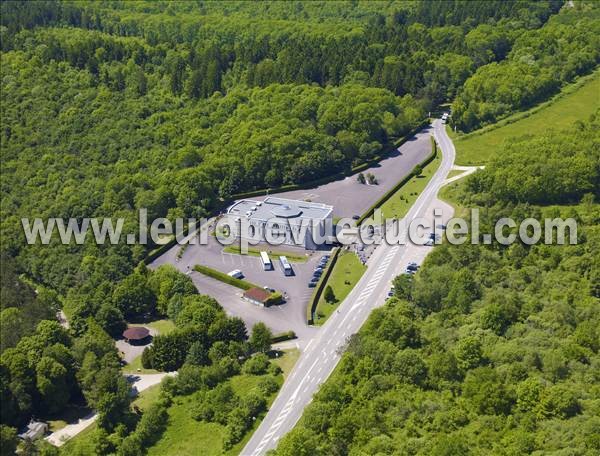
(147, 358)
(256, 365)
(268, 385)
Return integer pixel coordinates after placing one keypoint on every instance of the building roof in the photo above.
(136, 333)
(33, 430)
(280, 208)
(257, 294)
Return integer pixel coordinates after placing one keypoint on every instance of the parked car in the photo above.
(355, 217)
(236, 274)
(412, 267)
(312, 284)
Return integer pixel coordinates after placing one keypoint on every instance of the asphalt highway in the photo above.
(322, 353)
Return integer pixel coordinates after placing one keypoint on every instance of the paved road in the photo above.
(321, 355)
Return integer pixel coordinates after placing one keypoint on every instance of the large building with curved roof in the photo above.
(301, 223)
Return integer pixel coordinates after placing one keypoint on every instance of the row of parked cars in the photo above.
(318, 271)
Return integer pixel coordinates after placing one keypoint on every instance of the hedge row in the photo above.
(314, 300)
(400, 184)
(281, 337)
(221, 276)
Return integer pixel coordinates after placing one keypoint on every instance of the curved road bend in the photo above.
(321, 354)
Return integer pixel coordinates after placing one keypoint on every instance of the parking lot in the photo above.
(288, 316)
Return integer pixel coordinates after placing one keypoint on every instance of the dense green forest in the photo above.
(108, 107)
(488, 349)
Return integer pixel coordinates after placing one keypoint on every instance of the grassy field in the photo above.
(133, 366)
(347, 271)
(160, 326)
(273, 254)
(147, 397)
(287, 361)
(185, 436)
(576, 102)
(454, 172)
(401, 201)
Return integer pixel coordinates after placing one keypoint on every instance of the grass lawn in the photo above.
(82, 443)
(575, 102)
(147, 397)
(401, 201)
(133, 366)
(454, 172)
(160, 326)
(287, 361)
(273, 254)
(186, 436)
(347, 271)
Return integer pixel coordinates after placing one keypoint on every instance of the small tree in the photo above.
(371, 179)
(403, 286)
(329, 295)
(361, 178)
(418, 170)
(260, 340)
(198, 354)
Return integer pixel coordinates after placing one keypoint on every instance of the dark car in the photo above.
(312, 284)
(355, 217)
(411, 268)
